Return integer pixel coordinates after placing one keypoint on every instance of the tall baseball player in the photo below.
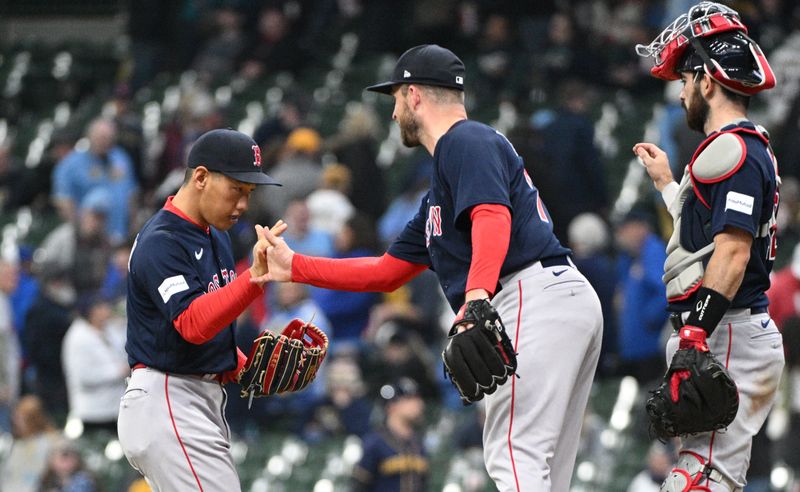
(484, 231)
(723, 246)
(183, 300)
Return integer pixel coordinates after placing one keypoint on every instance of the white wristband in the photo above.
(669, 193)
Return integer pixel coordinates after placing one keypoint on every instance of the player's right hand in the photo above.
(279, 259)
(656, 162)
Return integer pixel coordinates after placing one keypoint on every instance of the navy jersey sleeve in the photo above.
(476, 172)
(410, 244)
(163, 271)
(737, 201)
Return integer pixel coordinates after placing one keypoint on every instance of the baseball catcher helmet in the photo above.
(710, 38)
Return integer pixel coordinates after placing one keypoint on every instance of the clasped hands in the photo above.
(272, 257)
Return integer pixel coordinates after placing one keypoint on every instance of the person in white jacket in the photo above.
(94, 367)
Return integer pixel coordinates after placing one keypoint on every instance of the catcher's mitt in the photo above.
(480, 358)
(284, 362)
(697, 395)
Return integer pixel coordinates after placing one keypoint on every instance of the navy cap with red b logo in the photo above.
(231, 153)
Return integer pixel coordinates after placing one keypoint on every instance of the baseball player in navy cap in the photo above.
(486, 233)
(183, 300)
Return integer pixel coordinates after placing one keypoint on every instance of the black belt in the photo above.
(552, 261)
(676, 319)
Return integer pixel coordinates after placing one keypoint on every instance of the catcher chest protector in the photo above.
(717, 158)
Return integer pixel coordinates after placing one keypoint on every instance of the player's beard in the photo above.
(409, 127)
(697, 112)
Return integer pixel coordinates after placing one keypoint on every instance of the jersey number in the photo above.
(539, 205)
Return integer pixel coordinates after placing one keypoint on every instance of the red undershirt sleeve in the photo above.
(491, 234)
(368, 274)
(209, 313)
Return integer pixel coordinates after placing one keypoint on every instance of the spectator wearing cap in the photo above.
(394, 457)
(298, 170)
(328, 205)
(94, 366)
(102, 165)
(660, 457)
(641, 297)
(82, 247)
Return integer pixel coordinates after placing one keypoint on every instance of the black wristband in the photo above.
(709, 308)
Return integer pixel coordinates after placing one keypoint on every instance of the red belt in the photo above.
(210, 377)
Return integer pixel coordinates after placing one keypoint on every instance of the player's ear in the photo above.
(200, 177)
(414, 96)
(707, 86)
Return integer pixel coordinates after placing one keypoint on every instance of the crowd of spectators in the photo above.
(62, 319)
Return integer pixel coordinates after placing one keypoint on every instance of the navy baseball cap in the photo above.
(401, 388)
(231, 153)
(428, 64)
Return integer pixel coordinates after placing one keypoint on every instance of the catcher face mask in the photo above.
(704, 20)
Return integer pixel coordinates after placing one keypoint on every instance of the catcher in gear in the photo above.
(284, 362)
(479, 356)
(726, 356)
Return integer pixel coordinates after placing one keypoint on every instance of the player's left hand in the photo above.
(480, 358)
(283, 362)
(697, 393)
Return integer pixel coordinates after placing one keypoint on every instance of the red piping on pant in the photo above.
(513, 391)
(175, 427)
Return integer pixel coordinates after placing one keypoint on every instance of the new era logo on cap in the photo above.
(406, 74)
(459, 80)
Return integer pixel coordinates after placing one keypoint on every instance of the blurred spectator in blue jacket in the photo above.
(345, 409)
(301, 235)
(348, 312)
(102, 165)
(27, 288)
(569, 168)
(641, 297)
(45, 326)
